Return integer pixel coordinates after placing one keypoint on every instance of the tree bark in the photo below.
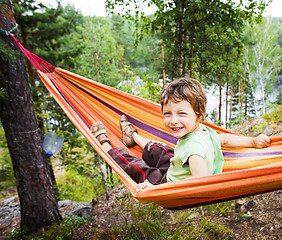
(103, 178)
(231, 99)
(226, 105)
(38, 203)
(219, 105)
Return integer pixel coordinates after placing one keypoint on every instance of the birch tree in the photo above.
(264, 59)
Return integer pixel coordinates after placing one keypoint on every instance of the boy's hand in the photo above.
(143, 185)
(261, 141)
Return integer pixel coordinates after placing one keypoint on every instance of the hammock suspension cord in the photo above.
(7, 32)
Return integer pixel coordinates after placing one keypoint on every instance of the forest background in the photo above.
(237, 60)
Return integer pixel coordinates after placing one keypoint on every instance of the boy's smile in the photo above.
(180, 118)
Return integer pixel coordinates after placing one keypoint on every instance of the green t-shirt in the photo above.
(204, 143)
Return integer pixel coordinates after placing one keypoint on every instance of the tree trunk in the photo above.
(163, 67)
(38, 204)
(97, 61)
(226, 104)
(219, 105)
(179, 66)
(103, 178)
(230, 107)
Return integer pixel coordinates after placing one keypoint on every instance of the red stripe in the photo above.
(136, 167)
(161, 146)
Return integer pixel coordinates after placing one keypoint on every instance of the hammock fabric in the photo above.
(246, 171)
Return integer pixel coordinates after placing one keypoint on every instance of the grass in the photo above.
(81, 188)
(59, 231)
(275, 115)
(272, 119)
(152, 222)
(7, 185)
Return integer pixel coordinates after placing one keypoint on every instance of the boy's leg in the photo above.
(158, 154)
(136, 168)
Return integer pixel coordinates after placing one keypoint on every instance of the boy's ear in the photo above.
(201, 118)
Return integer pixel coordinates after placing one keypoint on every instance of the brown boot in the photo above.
(99, 131)
(127, 131)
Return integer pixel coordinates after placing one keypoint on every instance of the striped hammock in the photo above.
(246, 171)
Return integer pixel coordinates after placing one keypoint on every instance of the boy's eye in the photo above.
(182, 113)
(166, 114)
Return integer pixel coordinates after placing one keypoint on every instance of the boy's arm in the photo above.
(198, 166)
(230, 140)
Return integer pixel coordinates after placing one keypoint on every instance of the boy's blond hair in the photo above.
(187, 89)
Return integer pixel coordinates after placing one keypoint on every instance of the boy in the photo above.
(198, 150)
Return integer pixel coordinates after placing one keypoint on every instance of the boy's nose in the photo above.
(174, 119)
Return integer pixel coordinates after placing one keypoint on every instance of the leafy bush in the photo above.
(7, 179)
(75, 186)
(275, 115)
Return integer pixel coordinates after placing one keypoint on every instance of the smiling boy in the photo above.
(198, 150)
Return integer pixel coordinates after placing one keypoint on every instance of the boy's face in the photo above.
(180, 118)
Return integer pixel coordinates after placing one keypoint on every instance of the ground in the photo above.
(257, 217)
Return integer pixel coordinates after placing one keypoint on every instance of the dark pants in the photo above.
(153, 166)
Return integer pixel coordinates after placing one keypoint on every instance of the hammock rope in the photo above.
(246, 171)
(11, 30)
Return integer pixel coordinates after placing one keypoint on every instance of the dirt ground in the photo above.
(258, 217)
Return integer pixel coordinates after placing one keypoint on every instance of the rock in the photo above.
(268, 130)
(81, 209)
(256, 126)
(10, 210)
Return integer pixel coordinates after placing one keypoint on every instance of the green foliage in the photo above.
(272, 119)
(259, 128)
(151, 222)
(275, 115)
(100, 57)
(193, 32)
(142, 88)
(6, 168)
(63, 230)
(6, 54)
(263, 58)
(201, 39)
(220, 208)
(59, 231)
(82, 187)
(78, 187)
(3, 93)
(147, 222)
(7, 179)
(214, 230)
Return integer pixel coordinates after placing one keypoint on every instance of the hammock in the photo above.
(246, 171)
